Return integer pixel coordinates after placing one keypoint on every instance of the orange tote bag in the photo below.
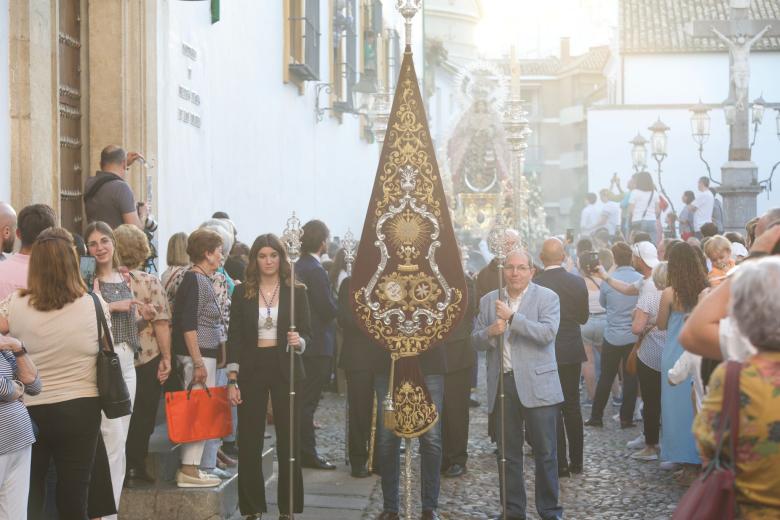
(198, 414)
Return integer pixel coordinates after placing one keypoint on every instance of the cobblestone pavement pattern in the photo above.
(613, 486)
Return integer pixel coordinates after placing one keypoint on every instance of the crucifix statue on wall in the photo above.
(739, 51)
(739, 187)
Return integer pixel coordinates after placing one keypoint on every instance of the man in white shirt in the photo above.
(610, 214)
(702, 206)
(591, 215)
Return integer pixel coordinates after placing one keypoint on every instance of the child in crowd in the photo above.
(718, 250)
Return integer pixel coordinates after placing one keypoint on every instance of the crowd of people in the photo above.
(642, 321)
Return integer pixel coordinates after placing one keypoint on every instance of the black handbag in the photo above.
(112, 389)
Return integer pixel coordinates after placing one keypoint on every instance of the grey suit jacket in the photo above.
(531, 339)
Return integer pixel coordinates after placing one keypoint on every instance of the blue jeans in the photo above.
(388, 447)
(540, 426)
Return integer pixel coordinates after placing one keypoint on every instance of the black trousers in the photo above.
(258, 378)
(147, 399)
(68, 433)
(360, 396)
(455, 417)
(570, 419)
(650, 383)
(318, 371)
(612, 358)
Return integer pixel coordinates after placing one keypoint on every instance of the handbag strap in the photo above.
(729, 416)
(102, 325)
(650, 201)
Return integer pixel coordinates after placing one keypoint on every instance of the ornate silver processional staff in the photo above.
(348, 245)
(292, 239)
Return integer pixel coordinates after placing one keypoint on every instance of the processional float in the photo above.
(408, 291)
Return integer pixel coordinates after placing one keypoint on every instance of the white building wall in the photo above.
(666, 85)
(259, 153)
(684, 78)
(610, 129)
(5, 107)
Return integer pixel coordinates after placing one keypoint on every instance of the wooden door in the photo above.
(72, 150)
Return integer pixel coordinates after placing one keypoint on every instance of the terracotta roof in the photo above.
(658, 26)
(592, 61)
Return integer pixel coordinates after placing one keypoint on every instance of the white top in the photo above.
(688, 365)
(733, 344)
(641, 200)
(653, 343)
(611, 210)
(704, 203)
(591, 214)
(263, 331)
(514, 305)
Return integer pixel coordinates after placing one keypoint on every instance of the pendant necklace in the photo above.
(269, 322)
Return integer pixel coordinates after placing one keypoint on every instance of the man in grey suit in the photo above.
(528, 316)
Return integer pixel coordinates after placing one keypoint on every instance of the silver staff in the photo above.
(497, 242)
(292, 239)
(348, 244)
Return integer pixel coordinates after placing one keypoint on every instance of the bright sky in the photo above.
(536, 26)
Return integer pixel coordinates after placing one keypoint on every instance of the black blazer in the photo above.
(573, 294)
(322, 305)
(242, 332)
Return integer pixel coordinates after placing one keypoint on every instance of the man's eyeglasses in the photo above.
(105, 242)
(518, 268)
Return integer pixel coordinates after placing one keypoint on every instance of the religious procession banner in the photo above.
(408, 288)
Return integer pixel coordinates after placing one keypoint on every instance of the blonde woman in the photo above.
(153, 362)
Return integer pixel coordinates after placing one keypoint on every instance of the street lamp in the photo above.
(639, 152)
(658, 142)
(757, 115)
(700, 131)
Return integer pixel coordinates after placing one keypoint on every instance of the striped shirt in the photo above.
(16, 430)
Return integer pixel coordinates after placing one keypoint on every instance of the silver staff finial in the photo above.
(408, 8)
(348, 243)
(292, 237)
(497, 239)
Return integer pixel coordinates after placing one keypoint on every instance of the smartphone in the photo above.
(570, 235)
(87, 266)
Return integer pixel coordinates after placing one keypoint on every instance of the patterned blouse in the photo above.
(758, 478)
(148, 289)
(171, 280)
(123, 324)
(653, 343)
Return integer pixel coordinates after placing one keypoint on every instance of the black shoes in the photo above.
(360, 472)
(563, 472)
(626, 424)
(473, 403)
(454, 471)
(317, 463)
(598, 423)
(575, 469)
(137, 477)
(430, 514)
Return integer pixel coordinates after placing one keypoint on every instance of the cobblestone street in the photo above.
(612, 487)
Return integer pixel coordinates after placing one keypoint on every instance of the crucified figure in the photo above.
(739, 48)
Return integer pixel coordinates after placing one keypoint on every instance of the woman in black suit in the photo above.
(258, 339)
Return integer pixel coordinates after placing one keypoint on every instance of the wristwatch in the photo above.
(21, 352)
(232, 382)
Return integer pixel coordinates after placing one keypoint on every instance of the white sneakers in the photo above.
(647, 454)
(668, 466)
(203, 480)
(636, 444)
